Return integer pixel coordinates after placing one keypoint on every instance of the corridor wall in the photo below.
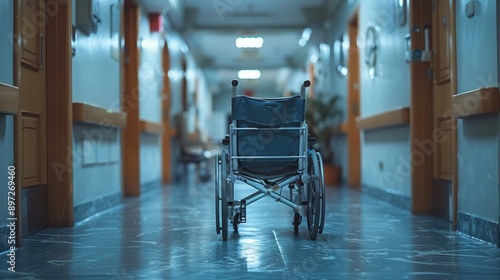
(198, 96)
(338, 83)
(6, 121)
(150, 96)
(97, 178)
(385, 153)
(478, 136)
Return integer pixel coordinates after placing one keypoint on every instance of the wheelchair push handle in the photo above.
(234, 84)
(305, 85)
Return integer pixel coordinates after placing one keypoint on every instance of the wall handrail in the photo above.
(476, 102)
(9, 99)
(88, 113)
(151, 127)
(400, 116)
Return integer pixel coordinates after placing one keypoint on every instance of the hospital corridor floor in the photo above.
(169, 233)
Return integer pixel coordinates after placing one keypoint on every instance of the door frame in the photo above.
(421, 122)
(131, 139)
(167, 127)
(59, 117)
(353, 97)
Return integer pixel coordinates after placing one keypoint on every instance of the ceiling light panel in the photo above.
(249, 42)
(249, 74)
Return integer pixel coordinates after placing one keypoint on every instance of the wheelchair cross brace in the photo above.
(264, 190)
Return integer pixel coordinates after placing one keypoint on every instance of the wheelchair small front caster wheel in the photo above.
(297, 220)
(236, 220)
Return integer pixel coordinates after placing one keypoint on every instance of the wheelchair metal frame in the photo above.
(306, 190)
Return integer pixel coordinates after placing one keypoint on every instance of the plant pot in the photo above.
(332, 174)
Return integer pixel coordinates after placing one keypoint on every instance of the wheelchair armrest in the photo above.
(225, 141)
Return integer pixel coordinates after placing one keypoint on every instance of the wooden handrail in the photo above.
(151, 127)
(399, 116)
(87, 113)
(476, 102)
(9, 99)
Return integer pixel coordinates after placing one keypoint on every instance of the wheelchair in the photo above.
(269, 149)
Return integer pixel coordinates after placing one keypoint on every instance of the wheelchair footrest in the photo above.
(243, 211)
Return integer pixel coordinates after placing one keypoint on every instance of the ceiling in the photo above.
(210, 28)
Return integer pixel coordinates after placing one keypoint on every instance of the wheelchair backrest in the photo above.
(271, 136)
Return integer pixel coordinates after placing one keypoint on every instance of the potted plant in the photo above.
(322, 114)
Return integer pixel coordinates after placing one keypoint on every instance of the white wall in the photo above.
(150, 99)
(337, 83)
(384, 153)
(205, 104)
(96, 80)
(175, 73)
(478, 137)
(389, 90)
(477, 63)
(478, 166)
(7, 77)
(196, 81)
(6, 46)
(96, 76)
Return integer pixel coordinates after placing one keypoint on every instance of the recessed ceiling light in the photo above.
(249, 74)
(249, 42)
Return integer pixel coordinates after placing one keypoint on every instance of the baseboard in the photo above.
(85, 210)
(146, 187)
(391, 198)
(479, 228)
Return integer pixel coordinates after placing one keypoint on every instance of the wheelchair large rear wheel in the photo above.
(217, 193)
(321, 194)
(313, 195)
(224, 193)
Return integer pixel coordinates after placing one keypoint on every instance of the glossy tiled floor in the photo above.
(169, 233)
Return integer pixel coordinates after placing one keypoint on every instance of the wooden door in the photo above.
(444, 156)
(442, 95)
(33, 125)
